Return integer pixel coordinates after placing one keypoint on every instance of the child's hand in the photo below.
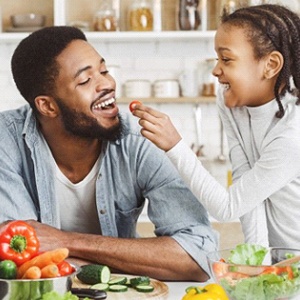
(156, 127)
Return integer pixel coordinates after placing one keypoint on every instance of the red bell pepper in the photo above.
(18, 242)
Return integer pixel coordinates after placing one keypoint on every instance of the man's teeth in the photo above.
(105, 103)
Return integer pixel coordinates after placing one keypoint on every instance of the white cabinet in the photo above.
(63, 12)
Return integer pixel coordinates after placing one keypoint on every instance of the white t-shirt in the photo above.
(77, 202)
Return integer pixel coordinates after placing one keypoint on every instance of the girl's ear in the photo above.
(46, 106)
(274, 64)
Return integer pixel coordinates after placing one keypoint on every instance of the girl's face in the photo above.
(239, 72)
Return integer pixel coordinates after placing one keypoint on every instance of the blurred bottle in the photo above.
(140, 15)
(106, 17)
(188, 15)
(210, 82)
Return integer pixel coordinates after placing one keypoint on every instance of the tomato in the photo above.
(65, 268)
(133, 104)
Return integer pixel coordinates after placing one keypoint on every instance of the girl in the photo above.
(258, 68)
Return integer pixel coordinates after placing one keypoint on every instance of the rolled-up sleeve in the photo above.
(173, 209)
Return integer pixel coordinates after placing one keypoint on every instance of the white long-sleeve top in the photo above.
(265, 156)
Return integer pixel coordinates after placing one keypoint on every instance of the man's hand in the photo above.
(49, 237)
(156, 127)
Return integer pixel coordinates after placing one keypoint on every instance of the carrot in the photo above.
(46, 258)
(50, 271)
(33, 272)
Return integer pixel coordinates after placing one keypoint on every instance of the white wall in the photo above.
(152, 61)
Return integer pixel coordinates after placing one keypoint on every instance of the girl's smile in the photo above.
(240, 74)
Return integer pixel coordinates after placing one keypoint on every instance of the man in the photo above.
(77, 171)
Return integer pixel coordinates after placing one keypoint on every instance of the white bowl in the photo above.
(28, 20)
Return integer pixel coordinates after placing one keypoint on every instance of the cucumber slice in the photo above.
(145, 288)
(93, 274)
(142, 280)
(118, 280)
(118, 288)
(100, 286)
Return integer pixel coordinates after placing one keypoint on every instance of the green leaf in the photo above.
(247, 254)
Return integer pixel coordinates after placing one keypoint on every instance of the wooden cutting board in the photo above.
(160, 292)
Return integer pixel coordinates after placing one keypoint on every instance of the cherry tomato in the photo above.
(65, 268)
(133, 104)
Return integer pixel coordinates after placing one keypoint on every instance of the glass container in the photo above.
(140, 16)
(209, 80)
(188, 15)
(105, 18)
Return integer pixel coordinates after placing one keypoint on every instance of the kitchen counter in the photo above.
(177, 289)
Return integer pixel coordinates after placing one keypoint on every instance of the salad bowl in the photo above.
(33, 289)
(253, 272)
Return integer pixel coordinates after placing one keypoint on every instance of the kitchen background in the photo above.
(165, 60)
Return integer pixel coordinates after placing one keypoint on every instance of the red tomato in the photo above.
(65, 268)
(133, 104)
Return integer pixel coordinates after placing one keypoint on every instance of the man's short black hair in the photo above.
(33, 63)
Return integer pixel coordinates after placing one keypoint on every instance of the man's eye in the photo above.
(84, 82)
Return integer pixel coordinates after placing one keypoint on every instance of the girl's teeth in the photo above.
(225, 86)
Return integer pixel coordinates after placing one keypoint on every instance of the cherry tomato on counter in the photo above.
(133, 104)
(65, 268)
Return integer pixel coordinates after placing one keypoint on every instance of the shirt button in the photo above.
(102, 211)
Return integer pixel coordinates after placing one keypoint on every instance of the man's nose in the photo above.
(105, 81)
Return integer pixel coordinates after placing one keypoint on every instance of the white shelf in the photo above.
(127, 36)
(60, 18)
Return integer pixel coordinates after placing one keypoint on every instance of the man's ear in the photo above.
(274, 64)
(46, 106)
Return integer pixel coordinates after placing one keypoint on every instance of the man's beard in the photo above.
(81, 125)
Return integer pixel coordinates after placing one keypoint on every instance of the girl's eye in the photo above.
(225, 60)
(104, 72)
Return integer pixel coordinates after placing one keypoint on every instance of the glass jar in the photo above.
(140, 16)
(209, 80)
(105, 18)
(188, 15)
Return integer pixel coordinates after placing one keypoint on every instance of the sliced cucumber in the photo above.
(93, 274)
(145, 288)
(118, 288)
(100, 286)
(142, 280)
(118, 280)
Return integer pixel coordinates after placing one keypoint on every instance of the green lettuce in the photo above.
(264, 286)
(247, 254)
(56, 296)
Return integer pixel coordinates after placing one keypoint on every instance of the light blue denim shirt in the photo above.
(132, 170)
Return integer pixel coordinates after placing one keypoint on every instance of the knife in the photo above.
(90, 293)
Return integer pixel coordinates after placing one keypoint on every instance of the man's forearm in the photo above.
(162, 257)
